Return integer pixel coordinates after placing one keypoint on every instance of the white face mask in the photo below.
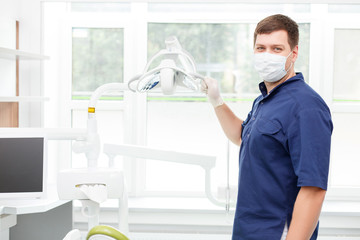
(271, 67)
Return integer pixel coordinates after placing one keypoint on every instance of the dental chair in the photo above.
(78, 183)
(102, 232)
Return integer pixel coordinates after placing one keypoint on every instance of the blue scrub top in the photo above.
(285, 145)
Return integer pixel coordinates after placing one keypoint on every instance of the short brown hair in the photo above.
(279, 22)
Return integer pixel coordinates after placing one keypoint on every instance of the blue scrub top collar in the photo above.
(263, 90)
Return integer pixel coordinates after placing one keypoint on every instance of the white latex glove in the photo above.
(211, 88)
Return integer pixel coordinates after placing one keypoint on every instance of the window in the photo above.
(345, 158)
(97, 58)
(346, 98)
(346, 60)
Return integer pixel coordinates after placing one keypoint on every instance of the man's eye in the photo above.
(278, 49)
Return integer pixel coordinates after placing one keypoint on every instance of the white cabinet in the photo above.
(9, 104)
(13, 54)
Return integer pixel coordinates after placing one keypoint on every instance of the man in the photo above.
(285, 142)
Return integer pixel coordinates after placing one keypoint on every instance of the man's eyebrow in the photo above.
(259, 45)
(278, 45)
(271, 45)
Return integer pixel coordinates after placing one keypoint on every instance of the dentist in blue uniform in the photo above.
(284, 142)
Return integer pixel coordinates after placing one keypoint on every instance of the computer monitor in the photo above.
(23, 166)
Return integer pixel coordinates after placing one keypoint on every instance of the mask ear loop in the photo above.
(289, 66)
(291, 62)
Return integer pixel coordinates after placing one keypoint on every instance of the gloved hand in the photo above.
(211, 88)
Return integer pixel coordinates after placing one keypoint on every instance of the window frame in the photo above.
(337, 21)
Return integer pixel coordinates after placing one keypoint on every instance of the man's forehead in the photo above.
(274, 38)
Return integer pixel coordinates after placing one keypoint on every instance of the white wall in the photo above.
(8, 16)
(31, 114)
(9, 8)
(28, 13)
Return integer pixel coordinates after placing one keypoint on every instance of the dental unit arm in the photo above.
(203, 161)
(167, 76)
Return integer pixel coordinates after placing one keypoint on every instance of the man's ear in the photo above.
(295, 52)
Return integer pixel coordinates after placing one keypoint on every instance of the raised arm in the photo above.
(229, 122)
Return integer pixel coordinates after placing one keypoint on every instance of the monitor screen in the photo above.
(22, 166)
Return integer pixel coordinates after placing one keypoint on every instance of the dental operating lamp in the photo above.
(168, 75)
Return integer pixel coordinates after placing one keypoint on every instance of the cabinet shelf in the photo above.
(12, 54)
(24, 99)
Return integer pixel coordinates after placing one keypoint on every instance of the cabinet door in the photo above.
(9, 114)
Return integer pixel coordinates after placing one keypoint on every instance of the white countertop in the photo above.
(25, 206)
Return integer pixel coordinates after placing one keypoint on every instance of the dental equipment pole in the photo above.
(93, 210)
(91, 146)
